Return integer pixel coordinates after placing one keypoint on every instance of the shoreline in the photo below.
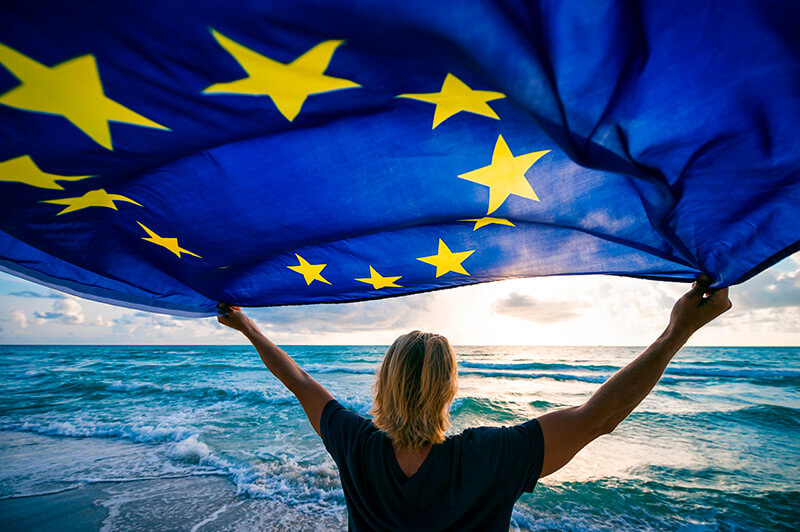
(194, 503)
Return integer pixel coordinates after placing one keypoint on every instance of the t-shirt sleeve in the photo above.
(522, 456)
(339, 429)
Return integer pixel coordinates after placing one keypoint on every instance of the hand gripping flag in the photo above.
(169, 156)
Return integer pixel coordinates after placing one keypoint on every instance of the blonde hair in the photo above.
(414, 387)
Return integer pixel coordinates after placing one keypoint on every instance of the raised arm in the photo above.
(310, 393)
(568, 431)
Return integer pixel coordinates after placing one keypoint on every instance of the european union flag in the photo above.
(270, 153)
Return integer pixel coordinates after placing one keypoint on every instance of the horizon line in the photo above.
(369, 345)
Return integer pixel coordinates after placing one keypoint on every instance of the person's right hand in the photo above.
(698, 307)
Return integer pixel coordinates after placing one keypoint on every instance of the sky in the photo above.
(568, 310)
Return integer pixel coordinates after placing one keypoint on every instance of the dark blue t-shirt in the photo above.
(469, 482)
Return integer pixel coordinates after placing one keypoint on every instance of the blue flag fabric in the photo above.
(270, 153)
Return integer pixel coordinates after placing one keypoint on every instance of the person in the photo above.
(399, 472)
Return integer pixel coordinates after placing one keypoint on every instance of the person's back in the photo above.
(470, 481)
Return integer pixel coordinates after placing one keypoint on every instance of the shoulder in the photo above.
(334, 405)
(341, 427)
(336, 411)
(512, 437)
(512, 453)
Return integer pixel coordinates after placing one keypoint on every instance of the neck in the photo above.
(410, 460)
(425, 447)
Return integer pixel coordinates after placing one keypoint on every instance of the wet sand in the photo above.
(154, 505)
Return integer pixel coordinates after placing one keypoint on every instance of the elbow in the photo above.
(597, 424)
(606, 427)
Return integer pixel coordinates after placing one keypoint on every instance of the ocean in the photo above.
(204, 438)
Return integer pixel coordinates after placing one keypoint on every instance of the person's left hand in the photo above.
(234, 318)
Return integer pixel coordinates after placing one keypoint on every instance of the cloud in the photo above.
(146, 321)
(770, 289)
(147, 325)
(766, 305)
(385, 314)
(525, 307)
(19, 319)
(101, 322)
(67, 311)
(31, 293)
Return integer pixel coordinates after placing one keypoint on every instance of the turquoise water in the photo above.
(715, 447)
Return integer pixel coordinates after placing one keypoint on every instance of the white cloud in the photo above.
(770, 289)
(101, 322)
(32, 293)
(381, 315)
(67, 311)
(523, 306)
(150, 327)
(19, 319)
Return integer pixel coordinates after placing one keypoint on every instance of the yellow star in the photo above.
(455, 97)
(378, 281)
(93, 198)
(506, 175)
(287, 84)
(487, 220)
(310, 272)
(71, 89)
(447, 261)
(24, 170)
(168, 243)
